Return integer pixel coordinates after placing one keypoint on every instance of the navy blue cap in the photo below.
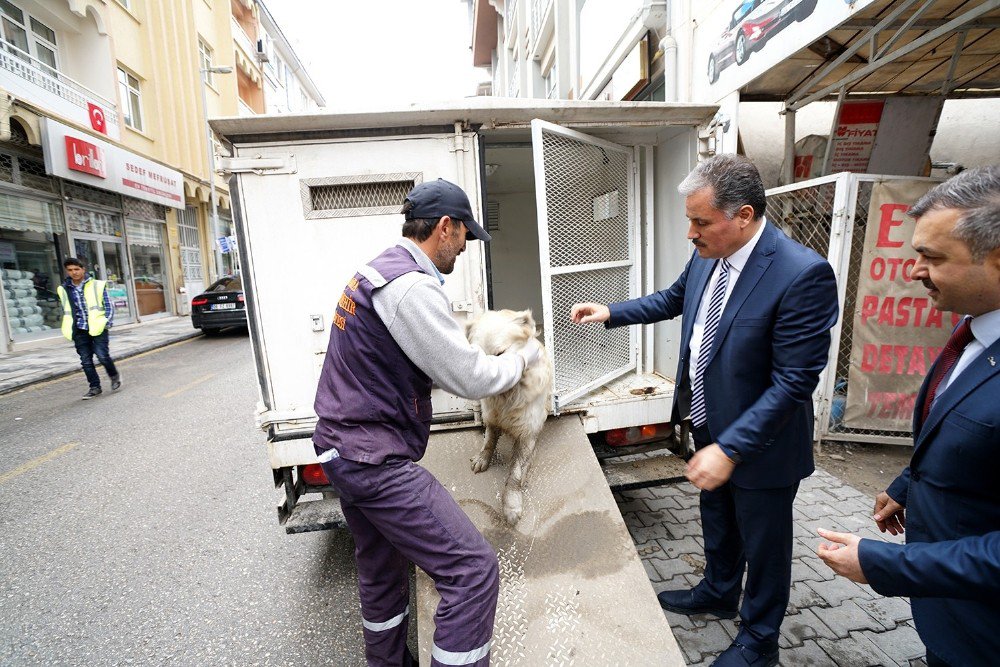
(435, 199)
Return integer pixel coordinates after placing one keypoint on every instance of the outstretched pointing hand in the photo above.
(582, 313)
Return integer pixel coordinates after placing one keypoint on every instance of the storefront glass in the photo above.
(149, 268)
(97, 241)
(29, 241)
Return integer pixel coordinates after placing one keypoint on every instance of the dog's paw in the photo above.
(480, 462)
(513, 507)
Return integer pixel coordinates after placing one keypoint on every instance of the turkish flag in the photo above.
(97, 118)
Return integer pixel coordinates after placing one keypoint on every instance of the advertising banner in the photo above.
(81, 157)
(734, 41)
(854, 135)
(898, 333)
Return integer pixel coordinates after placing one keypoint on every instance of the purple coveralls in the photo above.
(374, 408)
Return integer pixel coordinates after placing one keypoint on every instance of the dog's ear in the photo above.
(525, 319)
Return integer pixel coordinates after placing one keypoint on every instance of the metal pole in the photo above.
(211, 179)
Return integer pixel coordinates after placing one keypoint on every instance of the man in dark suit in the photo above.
(948, 499)
(757, 309)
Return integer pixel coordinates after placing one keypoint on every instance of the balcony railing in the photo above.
(25, 66)
(538, 9)
(242, 39)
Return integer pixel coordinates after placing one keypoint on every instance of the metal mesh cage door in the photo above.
(584, 188)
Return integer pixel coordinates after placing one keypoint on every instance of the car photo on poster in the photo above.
(753, 23)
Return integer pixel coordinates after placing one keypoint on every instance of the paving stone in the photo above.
(809, 654)
(839, 589)
(797, 628)
(649, 549)
(686, 514)
(804, 547)
(709, 640)
(626, 506)
(653, 518)
(902, 644)
(643, 494)
(823, 572)
(649, 533)
(817, 495)
(679, 530)
(657, 504)
(803, 597)
(802, 572)
(685, 545)
(918, 662)
(820, 511)
(888, 611)
(632, 521)
(669, 568)
(651, 572)
(856, 651)
(849, 617)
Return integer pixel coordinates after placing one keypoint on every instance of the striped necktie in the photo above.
(698, 413)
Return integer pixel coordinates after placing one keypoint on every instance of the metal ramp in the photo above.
(572, 588)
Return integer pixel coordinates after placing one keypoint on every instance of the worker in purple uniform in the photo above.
(394, 336)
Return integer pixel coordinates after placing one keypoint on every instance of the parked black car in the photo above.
(221, 305)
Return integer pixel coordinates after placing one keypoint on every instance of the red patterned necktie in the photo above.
(961, 337)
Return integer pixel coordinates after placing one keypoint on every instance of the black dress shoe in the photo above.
(738, 655)
(683, 602)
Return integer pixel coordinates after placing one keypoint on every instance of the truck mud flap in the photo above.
(313, 515)
(572, 586)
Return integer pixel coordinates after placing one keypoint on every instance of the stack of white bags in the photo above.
(27, 312)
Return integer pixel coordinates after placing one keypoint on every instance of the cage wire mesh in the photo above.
(587, 208)
(806, 215)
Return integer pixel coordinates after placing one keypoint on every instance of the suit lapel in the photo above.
(757, 264)
(701, 271)
(974, 375)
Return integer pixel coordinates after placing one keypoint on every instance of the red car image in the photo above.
(752, 24)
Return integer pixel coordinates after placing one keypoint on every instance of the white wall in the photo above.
(517, 276)
(968, 133)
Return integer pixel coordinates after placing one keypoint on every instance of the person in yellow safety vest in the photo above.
(87, 316)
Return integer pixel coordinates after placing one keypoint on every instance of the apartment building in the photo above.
(105, 150)
(570, 49)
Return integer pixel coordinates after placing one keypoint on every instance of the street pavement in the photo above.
(140, 528)
(830, 621)
(54, 358)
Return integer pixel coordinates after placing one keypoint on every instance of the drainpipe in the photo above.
(669, 47)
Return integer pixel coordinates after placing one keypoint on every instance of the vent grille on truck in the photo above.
(370, 194)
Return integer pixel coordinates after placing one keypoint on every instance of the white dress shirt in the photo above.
(985, 331)
(737, 261)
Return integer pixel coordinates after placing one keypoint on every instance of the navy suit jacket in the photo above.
(950, 564)
(771, 345)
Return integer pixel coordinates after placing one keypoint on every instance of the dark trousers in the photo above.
(751, 530)
(398, 514)
(87, 346)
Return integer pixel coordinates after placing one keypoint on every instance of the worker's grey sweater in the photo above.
(416, 311)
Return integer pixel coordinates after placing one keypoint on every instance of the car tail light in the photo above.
(636, 435)
(201, 301)
(313, 475)
(239, 297)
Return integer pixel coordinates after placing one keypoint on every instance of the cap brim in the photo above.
(476, 232)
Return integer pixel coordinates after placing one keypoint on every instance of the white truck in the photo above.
(580, 198)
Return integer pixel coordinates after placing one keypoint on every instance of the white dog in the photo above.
(520, 411)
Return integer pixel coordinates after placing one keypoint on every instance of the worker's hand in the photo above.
(889, 515)
(532, 353)
(842, 555)
(589, 312)
(709, 468)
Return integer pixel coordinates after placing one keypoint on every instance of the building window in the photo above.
(205, 61)
(30, 36)
(551, 84)
(128, 90)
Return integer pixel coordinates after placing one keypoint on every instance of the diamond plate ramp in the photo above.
(572, 588)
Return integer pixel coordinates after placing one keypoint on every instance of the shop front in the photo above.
(84, 198)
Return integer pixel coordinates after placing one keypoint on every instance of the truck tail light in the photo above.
(239, 297)
(637, 435)
(313, 475)
(200, 301)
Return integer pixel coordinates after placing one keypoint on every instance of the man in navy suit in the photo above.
(948, 499)
(757, 310)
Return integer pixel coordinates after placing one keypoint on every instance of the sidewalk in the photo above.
(830, 621)
(57, 357)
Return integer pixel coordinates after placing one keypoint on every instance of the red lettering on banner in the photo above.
(893, 313)
(869, 306)
(897, 359)
(891, 405)
(917, 366)
(887, 222)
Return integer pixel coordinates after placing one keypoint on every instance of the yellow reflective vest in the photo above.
(93, 296)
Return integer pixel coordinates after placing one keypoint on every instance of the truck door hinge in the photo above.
(282, 164)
